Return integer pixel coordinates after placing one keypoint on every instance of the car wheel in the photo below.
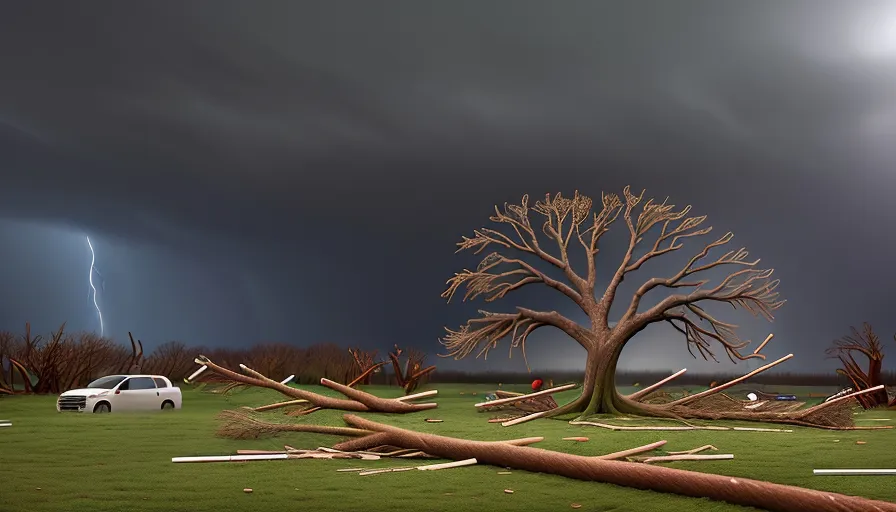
(102, 408)
(167, 406)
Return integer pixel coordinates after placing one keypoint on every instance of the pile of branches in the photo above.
(712, 404)
(372, 437)
(527, 404)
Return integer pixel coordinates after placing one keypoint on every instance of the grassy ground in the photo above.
(82, 462)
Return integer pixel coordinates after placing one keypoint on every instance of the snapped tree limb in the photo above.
(359, 401)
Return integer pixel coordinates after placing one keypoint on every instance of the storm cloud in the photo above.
(300, 171)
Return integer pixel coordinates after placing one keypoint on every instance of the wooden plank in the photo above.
(504, 401)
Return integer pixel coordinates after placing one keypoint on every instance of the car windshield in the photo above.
(106, 382)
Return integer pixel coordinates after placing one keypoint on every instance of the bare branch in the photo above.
(517, 217)
(487, 330)
(651, 215)
(488, 282)
(602, 220)
(866, 343)
(699, 337)
(748, 288)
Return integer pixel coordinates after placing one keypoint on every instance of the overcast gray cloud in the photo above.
(299, 171)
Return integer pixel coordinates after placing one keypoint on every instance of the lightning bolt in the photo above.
(90, 278)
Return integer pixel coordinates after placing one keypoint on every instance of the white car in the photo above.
(122, 393)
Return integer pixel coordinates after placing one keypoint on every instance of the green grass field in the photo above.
(122, 462)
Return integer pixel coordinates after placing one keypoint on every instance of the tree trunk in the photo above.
(599, 394)
(603, 397)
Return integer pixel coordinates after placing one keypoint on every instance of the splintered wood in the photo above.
(677, 427)
(539, 401)
(629, 455)
(429, 467)
(695, 450)
(673, 458)
(534, 404)
(320, 453)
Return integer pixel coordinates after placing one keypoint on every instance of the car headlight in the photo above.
(104, 393)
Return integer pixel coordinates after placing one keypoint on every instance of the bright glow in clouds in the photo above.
(90, 278)
(874, 34)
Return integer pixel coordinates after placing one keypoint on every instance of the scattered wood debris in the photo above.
(503, 472)
(446, 465)
(289, 452)
(575, 505)
(695, 450)
(538, 402)
(674, 458)
(385, 470)
(515, 454)
(433, 420)
(632, 451)
(853, 472)
(247, 490)
(502, 420)
(429, 467)
(231, 458)
(861, 442)
(508, 491)
(579, 439)
(681, 427)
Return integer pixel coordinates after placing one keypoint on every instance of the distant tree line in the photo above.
(64, 360)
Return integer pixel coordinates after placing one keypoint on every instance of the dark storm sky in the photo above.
(298, 171)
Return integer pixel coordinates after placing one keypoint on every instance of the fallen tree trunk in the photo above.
(359, 401)
(738, 491)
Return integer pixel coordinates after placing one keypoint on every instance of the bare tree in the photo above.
(412, 373)
(365, 364)
(867, 344)
(568, 220)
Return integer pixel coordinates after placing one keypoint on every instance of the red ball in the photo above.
(536, 384)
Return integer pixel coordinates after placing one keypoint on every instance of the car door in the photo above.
(120, 399)
(143, 395)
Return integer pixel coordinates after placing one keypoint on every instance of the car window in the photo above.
(160, 382)
(106, 382)
(125, 385)
(136, 383)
